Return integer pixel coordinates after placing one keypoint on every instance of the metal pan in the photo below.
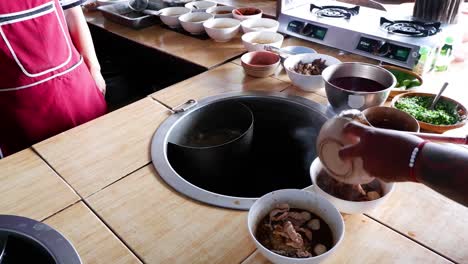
(216, 138)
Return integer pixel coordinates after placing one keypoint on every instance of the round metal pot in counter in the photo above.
(215, 138)
(355, 97)
(283, 147)
(24, 240)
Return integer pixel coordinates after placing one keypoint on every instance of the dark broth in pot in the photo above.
(357, 84)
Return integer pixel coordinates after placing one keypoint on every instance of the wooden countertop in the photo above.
(30, 188)
(160, 225)
(96, 185)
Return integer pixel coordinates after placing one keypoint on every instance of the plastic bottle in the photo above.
(423, 64)
(445, 55)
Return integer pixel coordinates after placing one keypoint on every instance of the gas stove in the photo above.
(391, 38)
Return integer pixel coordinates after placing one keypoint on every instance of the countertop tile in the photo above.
(30, 188)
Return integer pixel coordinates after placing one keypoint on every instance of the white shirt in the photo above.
(70, 3)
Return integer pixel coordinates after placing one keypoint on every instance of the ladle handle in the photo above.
(437, 97)
(442, 138)
(178, 109)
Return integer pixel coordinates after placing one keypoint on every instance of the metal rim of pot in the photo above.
(227, 142)
(173, 179)
(57, 245)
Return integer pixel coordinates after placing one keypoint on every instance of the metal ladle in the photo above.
(437, 97)
(360, 116)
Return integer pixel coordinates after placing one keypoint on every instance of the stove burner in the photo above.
(335, 11)
(410, 28)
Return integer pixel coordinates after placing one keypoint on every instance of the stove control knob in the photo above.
(307, 30)
(381, 48)
(295, 26)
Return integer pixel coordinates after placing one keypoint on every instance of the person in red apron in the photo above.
(45, 84)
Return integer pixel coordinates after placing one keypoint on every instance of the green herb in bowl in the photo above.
(405, 80)
(444, 113)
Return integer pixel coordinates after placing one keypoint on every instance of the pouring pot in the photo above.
(216, 138)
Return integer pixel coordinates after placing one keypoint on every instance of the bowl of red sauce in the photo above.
(244, 13)
(356, 85)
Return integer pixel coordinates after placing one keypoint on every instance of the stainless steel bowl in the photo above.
(342, 99)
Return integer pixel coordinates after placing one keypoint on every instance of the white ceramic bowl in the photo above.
(328, 144)
(221, 11)
(222, 29)
(256, 40)
(259, 24)
(299, 49)
(200, 6)
(307, 83)
(170, 15)
(296, 199)
(238, 16)
(344, 206)
(193, 22)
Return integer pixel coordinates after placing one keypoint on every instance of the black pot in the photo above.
(215, 139)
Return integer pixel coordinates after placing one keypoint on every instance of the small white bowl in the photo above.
(296, 199)
(193, 22)
(307, 83)
(259, 24)
(222, 29)
(170, 15)
(221, 11)
(299, 49)
(256, 40)
(236, 15)
(200, 6)
(345, 206)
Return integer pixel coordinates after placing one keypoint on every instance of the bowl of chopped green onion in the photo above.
(407, 80)
(447, 114)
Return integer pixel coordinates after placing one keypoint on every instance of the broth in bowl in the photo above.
(357, 84)
(294, 233)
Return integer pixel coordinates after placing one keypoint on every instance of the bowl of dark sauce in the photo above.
(355, 85)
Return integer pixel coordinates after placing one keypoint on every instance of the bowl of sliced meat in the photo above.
(295, 226)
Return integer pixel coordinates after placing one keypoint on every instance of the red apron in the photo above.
(45, 87)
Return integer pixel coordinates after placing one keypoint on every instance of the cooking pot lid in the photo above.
(24, 240)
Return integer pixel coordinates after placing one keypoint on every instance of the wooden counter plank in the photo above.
(93, 241)
(427, 217)
(315, 96)
(226, 78)
(367, 241)
(206, 53)
(30, 188)
(93, 155)
(162, 226)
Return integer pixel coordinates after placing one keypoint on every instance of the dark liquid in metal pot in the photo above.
(213, 137)
(357, 84)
